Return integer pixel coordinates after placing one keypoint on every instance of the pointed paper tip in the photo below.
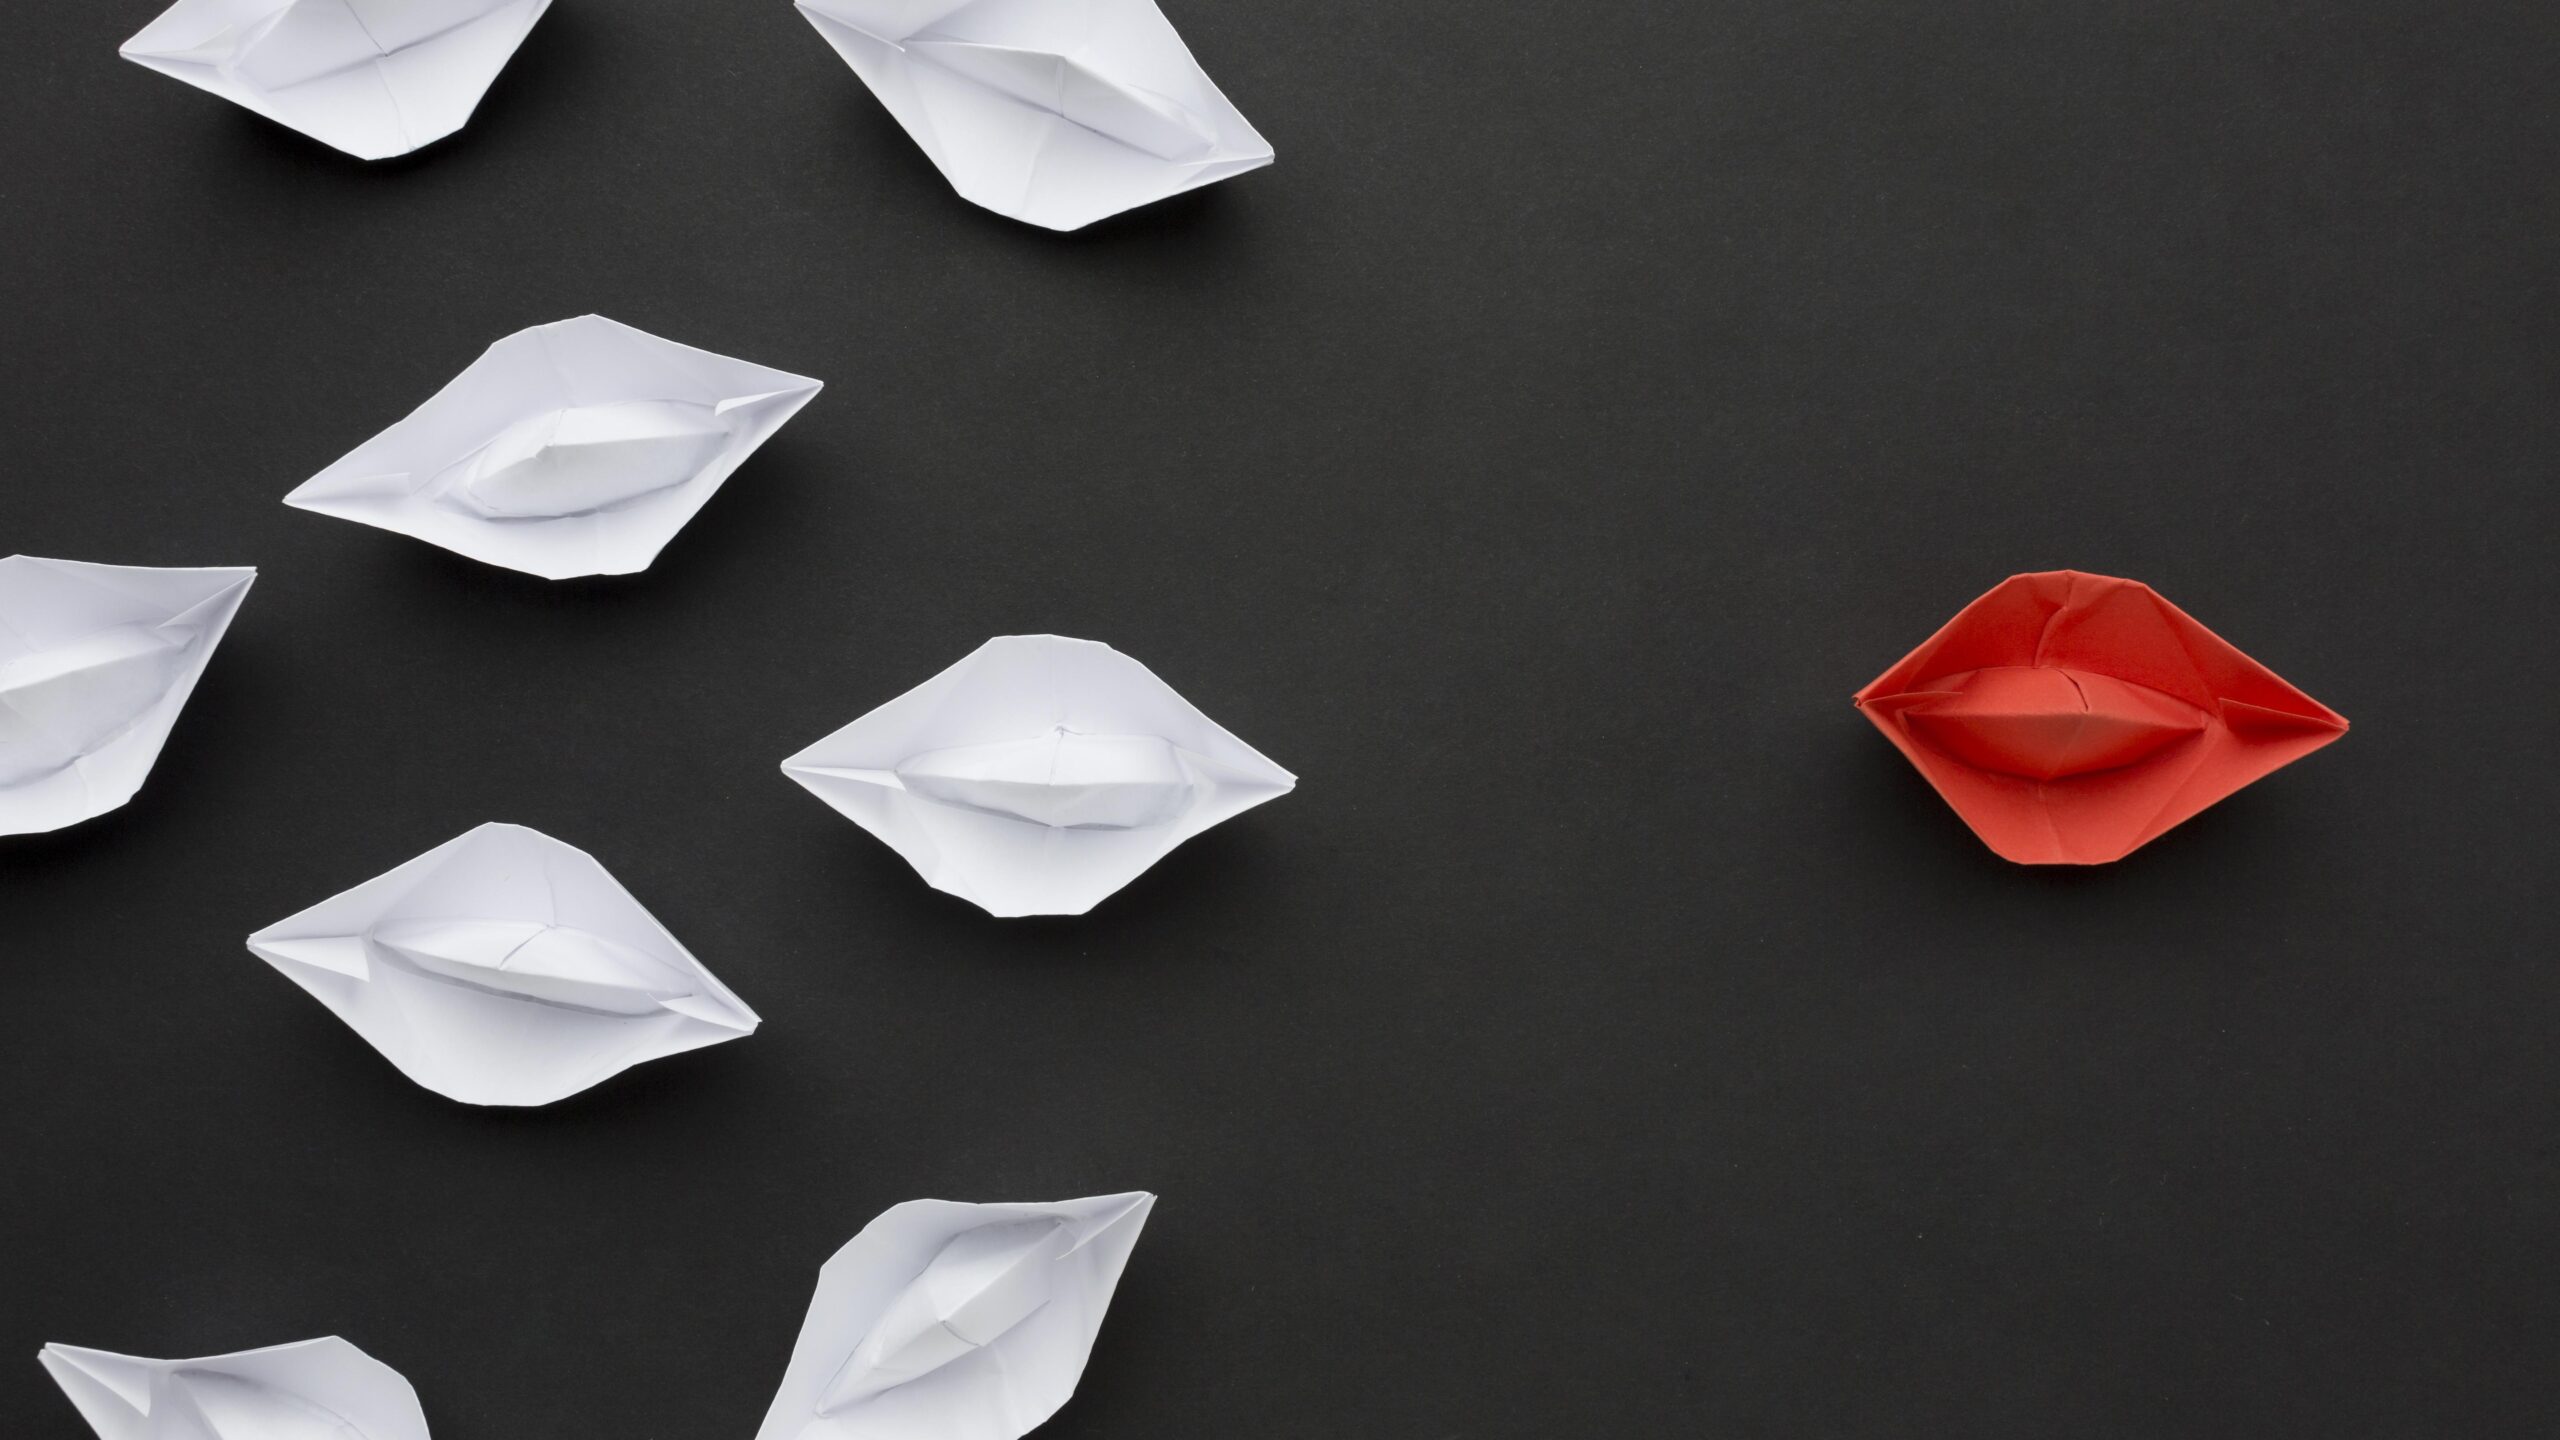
(314, 493)
(341, 954)
(209, 55)
(1897, 700)
(711, 1011)
(1141, 1203)
(800, 393)
(124, 1378)
(800, 770)
(2258, 720)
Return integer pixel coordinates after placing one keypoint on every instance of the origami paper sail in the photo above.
(504, 968)
(1038, 775)
(374, 78)
(578, 448)
(2071, 719)
(314, 1390)
(96, 661)
(946, 1321)
(1055, 112)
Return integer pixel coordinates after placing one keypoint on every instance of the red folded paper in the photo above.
(2071, 719)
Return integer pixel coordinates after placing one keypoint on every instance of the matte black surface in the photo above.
(1613, 1036)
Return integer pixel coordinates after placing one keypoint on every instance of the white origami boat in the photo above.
(313, 1390)
(1055, 112)
(373, 78)
(504, 968)
(577, 448)
(949, 1321)
(1038, 775)
(96, 661)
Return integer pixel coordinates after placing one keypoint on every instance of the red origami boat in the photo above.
(2071, 719)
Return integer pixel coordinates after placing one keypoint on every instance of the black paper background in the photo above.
(1613, 1036)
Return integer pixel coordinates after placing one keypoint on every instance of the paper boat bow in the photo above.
(2071, 718)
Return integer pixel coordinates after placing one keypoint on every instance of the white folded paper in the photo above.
(504, 968)
(578, 448)
(1055, 112)
(948, 1321)
(96, 661)
(1038, 775)
(374, 78)
(313, 1390)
